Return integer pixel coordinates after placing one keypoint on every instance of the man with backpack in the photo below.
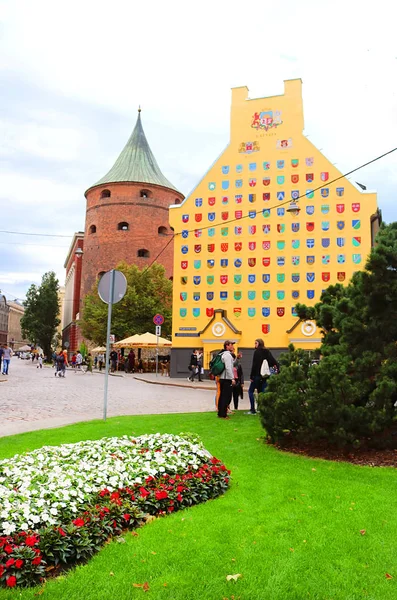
(226, 377)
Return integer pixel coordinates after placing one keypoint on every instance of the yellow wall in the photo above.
(257, 142)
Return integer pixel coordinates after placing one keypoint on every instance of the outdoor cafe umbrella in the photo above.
(145, 340)
(99, 349)
(24, 349)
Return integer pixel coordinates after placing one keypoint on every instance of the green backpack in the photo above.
(217, 366)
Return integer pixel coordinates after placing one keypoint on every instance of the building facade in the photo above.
(242, 260)
(4, 315)
(15, 338)
(71, 335)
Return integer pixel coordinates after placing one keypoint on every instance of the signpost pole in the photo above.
(157, 351)
(110, 304)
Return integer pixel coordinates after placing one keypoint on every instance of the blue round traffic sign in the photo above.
(158, 319)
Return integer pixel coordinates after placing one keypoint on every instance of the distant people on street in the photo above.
(140, 366)
(131, 361)
(226, 380)
(7, 353)
(32, 357)
(40, 361)
(61, 366)
(101, 360)
(79, 361)
(239, 378)
(65, 356)
(193, 365)
(113, 361)
(89, 363)
(54, 359)
(95, 361)
(1, 357)
(73, 360)
(258, 383)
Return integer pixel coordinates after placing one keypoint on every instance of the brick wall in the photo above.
(107, 246)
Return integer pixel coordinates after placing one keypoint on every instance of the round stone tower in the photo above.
(127, 213)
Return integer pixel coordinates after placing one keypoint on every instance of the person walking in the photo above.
(113, 361)
(79, 361)
(193, 366)
(226, 380)
(7, 353)
(89, 363)
(101, 360)
(258, 383)
(40, 361)
(131, 361)
(1, 357)
(239, 377)
(73, 360)
(60, 365)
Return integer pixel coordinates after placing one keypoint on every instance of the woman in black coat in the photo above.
(257, 381)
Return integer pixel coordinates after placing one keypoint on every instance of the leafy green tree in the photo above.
(40, 320)
(148, 292)
(350, 397)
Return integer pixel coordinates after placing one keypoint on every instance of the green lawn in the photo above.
(289, 525)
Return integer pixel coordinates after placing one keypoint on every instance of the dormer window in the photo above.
(92, 229)
(123, 226)
(177, 201)
(162, 231)
(105, 194)
(146, 194)
(142, 253)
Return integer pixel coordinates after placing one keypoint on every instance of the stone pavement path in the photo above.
(32, 398)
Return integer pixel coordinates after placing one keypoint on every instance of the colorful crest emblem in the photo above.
(325, 225)
(280, 311)
(340, 225)
(341, 276)
(280, 212)
(310, 277)
(266, 295)
(280, 261)
(225, 185)
(340, 191)
(237, 295)
(198, 202)
(184, 280)
(238, 214)
(310, 294)
(224, 247)
(185, 233)
(356, 241)
(238, 183)
(340, 208)
(265, 328)
(280, 245)
(325, 276)
(224, 263)
(251, 295)
(266, 165)
(223, 295)
(225, 170)
(356, 223)
(280, 227)
(294, 162)
(266, 213)
(294, 312)
(211, 201)
(251, 245)
(325, 259)
(325, 209)
(210, 247)
(310, 209)
(310, 260)
(184, 249)
(184, 264)
(238, 262)
(309, 177)
(309, 161)
(224, 231)
(252, 214)
(310, 226)
(252, 198)
(324, 192)
(251, 278)
(210, 263)
(280, 295)
(209, 312)
(238, 198)
(252, 166)
(310, 193)
(210, 279)
(265, 311)
(183, 296)
(295, 260)
(197, 248)
(295, 277)
(340, 242)
(341, 258)
(238, 246)
(212, 185)
(266, 245)
(266, 278)
(182, 312)
(225, 216)
(196, 312)
(294, 178)
(237, 312)
(324, 176)
(198, 233)
(280, 195)
(252, 261)
(295, 294)
(355, 207)
(223, 279)
(198, 217)
(356, 259)
(266, 261)
(197, 264)
(295, 194)
(266, 197)
(295, 227)
(310, 242)
(280, 179)
(237, 279)
(266, 181)
(197, 280)
(251, 229)
(295, 244)
(325, 242)
(211, 216)
(239, 168)
(280, 277)
(252, 182)
(185, 218)
(251, 312)
(280, 164)
(196, 296)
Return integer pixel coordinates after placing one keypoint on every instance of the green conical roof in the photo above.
(136, 162)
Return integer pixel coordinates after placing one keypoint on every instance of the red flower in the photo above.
(144, 493)
(10, 562)
(31, 540)
(8, 549)
(36, 561)
(1, 570)
(19, 563)
(11, 581)
(104, 492)
(127, 517)
(170, 508)
(78, 522)
(179, 498)
(161, 495)
(180, 488)
(61, 531)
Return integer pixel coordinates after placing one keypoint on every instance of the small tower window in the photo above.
(105, 194)
(177, 201)
(146, 194)
(162, 231)
(142, 253)
(123, 226)
(92, 229)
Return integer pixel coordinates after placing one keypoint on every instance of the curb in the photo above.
(178, 385)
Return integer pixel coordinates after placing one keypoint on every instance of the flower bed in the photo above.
(60, 504)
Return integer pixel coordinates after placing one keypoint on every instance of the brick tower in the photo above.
(127, 213)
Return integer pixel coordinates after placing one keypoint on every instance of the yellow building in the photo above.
(241, 260)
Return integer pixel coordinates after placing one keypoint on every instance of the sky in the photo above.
(73, 74)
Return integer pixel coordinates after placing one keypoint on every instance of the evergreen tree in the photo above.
(148, 292)
(351, 396)
(40, 320)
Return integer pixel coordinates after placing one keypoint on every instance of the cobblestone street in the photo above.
(32, 398)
